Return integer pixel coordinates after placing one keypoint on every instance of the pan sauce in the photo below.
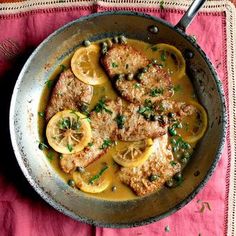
(184, 92)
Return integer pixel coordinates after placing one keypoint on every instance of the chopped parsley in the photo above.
(64, 123)
(101, 106)
(156, 92)
(63, 67)
(41, 113)
(106, 143)
(95, 177)
(69, 147)
(173, 163)
(90, 144)
(120, 120)
(49, 83)
(114, 65)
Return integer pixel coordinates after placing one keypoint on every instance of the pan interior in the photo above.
(24, 130)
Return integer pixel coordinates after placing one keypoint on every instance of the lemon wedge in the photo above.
(68, 132)
(134, 154)
(170, 57)
(84, 183)
(86, 67)
(200, 123)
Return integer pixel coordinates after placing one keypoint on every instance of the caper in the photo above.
(186, 155)
(84, 108)
(120, 76)
(80, 169)
(179, 125)
(114, 188)
(172, 131)
(169, 183)
(154, 61)
(175, 149)
(171, 114)
(109, 43)
(144, 70)
(116, 39)
(104, 45)
(188, 54)
(130, 76)
(139, 76)
(178, 176)
(71, 183)
(147, 116)
(104, 50)
(153, 29)
(153, 177)
(122, 39)
(86, 43)
(154, 117)
(188, 146)
(184, 160)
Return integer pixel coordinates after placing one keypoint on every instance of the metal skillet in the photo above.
(24, 118)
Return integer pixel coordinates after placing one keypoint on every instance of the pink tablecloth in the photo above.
(22, 212)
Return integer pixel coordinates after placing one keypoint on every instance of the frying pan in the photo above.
(24, 118)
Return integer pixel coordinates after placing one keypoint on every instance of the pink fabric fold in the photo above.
(22, 212)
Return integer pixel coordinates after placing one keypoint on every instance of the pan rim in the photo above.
(68, 212)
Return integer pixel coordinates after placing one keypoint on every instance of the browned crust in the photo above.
(68, 93)
(123, 55)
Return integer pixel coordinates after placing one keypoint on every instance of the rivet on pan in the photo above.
(197, 173)
(153, 29)
(188, 54)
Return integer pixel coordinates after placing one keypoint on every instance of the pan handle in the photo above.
(190, 14)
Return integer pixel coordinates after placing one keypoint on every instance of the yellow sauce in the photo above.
(184, 93)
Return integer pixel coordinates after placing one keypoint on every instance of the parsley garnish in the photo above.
(64, 123)
(106, 143)
(102, 106)
(156, 92)
(70, 148)
(114, 65)
(95, 177)
(49, 83)
(90, 144)
(63, 67)
(120, 120)
(173, 163)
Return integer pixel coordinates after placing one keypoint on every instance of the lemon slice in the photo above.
(68, 132)
(170, 57)
(199, 126)
(86, 67)
(134, 154)
(83, 183)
